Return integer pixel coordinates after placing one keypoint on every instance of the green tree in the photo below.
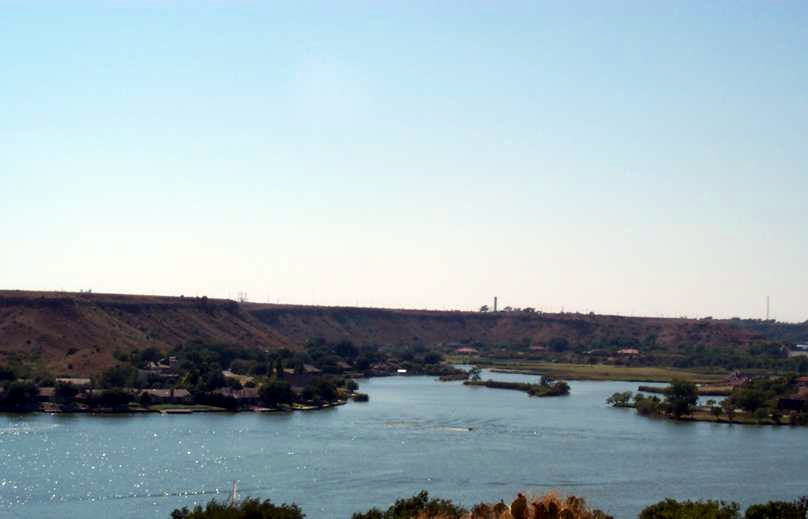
(672, 509)
(346, 350)
(64, 393)
(716, 410)
(474, 373)
(761, 415)
(114, 399)
(559, 344)
(246, 509)
(320, 389)
(432, 358)
(647, 405)
(419, 505)
(682, 396)
(779, 510)
(119, 376)
(7, 373)
(276, 392)
(620, 399)
(20, 396)
(750, 399)
(729, 409)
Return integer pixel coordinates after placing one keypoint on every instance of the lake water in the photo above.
(464, 443)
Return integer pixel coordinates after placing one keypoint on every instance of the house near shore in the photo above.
(78, 382)
(736, 379)
(796, 402)
(466, 351)
(628, 351)
(168, 396)
(246, 396)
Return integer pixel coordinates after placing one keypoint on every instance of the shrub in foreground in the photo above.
(673, 509)
(247, 509)
(779, 510)
(417, 506)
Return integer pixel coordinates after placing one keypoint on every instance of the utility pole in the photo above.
(495, 303)
(767, 308)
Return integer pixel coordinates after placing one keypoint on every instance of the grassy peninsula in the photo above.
(761, 401)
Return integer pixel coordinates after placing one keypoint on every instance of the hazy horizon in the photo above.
(623, 158)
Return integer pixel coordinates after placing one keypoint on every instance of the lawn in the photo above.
(603, 371)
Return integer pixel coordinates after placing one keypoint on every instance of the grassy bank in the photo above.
(704, 390)
(196, 408)
(598, 371)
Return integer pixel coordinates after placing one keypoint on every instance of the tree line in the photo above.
(548, 506)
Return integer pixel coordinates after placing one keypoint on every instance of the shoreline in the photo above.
(179, 409)
(707, 417)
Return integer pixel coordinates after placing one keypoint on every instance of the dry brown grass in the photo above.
(547, 506)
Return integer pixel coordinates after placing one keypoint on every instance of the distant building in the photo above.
(736, 379)
(168, 395)
(78, 382)
(248, 395)
(466, 350)
(628, 351)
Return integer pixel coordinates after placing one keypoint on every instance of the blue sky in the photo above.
(620, 157)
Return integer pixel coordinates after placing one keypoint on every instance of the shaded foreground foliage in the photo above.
(418, 505)
(672, 509)
(247, 509)
(548, 506)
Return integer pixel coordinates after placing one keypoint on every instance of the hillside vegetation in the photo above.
(78, 333)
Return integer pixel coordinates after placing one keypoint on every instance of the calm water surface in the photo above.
(467, 444)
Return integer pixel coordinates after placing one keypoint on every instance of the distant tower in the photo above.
(767, 308)
(495, 303)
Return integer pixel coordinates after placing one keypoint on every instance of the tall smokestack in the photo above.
(767, 308)
(495, 303)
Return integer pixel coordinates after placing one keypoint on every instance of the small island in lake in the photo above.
(545, 387)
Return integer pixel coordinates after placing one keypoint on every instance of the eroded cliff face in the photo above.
(78, 333)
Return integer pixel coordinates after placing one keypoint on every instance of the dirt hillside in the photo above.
(78, 333)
